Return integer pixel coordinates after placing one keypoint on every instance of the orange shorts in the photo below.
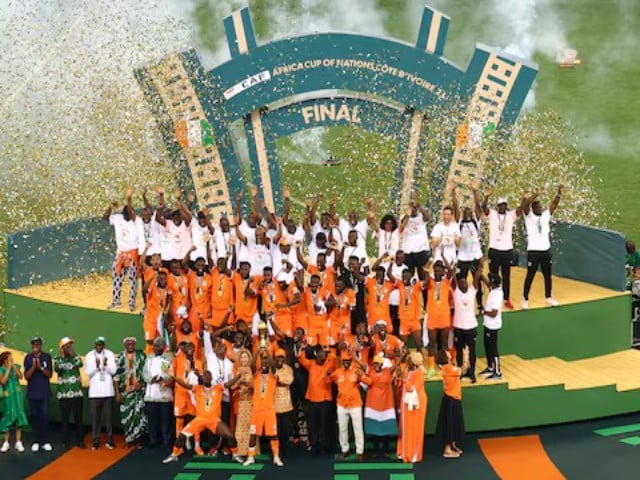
(318, 335)
(263, 422)
(407, 327)
(199, 424)
(182, 404)
(435, 321)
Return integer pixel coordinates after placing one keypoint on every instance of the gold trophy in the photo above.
(262, 333)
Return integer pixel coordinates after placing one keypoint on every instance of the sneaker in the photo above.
(495, 376)
(277, 462)
(238, 458)
(113, 306)
(170, 458)
(473, 378)
(431, 373)
(47, 447)
(5, 447)
(525, 304)
(249, 461)
(552, 302)
(487, 371)
(109, 445)
(508, 304)
(19, 446)
(360, 457)
(34, 448)
(213, 452)
(198, 451)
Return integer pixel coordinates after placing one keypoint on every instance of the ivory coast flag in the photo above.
(194, 133)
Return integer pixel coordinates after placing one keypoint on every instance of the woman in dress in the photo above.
(450, 427)
(380, 411)
(12, 403)
(242, 398)
(413, 409)
(129, 388)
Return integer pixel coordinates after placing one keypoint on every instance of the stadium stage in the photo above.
(561, 364)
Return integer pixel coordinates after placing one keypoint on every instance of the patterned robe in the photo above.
(132, 409)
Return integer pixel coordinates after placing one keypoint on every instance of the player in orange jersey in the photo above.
(263, 413)
(317, 301)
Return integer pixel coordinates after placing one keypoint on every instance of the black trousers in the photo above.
(284, 431)
(320, 425)
(491, 349)
(160, 420)
(466, 338)
(39, 410)
(472, 266)
(101, 412)
(69, 407)
(416, 262)
(395, 320)
(500, 263)
(535, 259)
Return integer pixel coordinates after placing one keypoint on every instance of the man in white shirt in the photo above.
(492, 321)
(149, 230)
(501, 221)
(201, 233)
(126, 226)
(465, 322)
(353, 222)
(538, 224)
(176, 232)
(445, 237)
(414, 239)
(158, 396)
(100, 367)
(353, 248)
(470, 248)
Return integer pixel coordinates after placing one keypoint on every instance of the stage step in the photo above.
(619, 369)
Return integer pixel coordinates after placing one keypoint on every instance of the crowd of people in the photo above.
(257, 326)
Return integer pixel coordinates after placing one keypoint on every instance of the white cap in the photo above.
(502, 200)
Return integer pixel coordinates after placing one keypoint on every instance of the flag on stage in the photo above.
(194, 133)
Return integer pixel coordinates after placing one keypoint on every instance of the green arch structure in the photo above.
(390, 85)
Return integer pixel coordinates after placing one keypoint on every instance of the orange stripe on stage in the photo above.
(519, 458)
(79, 464)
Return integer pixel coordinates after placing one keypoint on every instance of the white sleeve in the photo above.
(111, 364)
(90, 364)
(208, 346)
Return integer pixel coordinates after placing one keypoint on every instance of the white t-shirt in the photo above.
(317, 228)
(200, 236)
(388, 242)
(344, 226)
(314, 250)
(501, 229)
(415, 238)
(396, 271)
(175, 241)
(149, 232)
(292, 238)
(278, 260)
(464, 316)
(357, 251)
(494, 302)
(448, 233)
(221, 369)
(126, 232)
(538, 231)
(470, 248)
(259, 257)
